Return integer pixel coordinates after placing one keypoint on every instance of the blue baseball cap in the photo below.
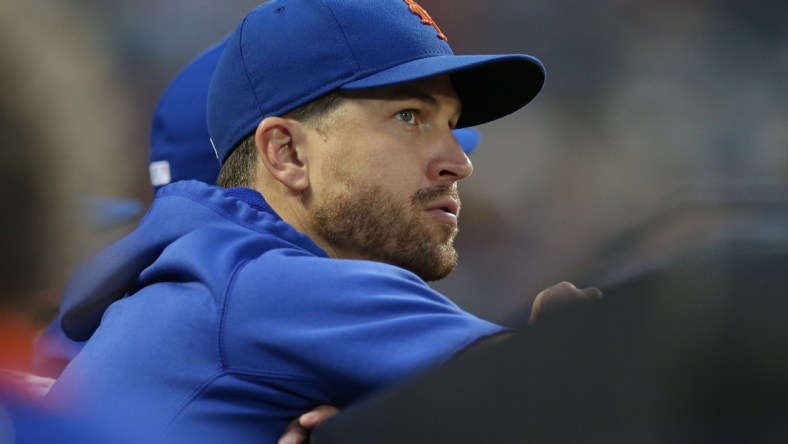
(180, 148)
(286, 53)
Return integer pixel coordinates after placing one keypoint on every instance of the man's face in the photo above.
(384, 177)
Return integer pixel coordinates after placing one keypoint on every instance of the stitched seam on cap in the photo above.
(344, 37)
(246, 73)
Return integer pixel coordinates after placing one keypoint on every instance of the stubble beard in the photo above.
(368, 222)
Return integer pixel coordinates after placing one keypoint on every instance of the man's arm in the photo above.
(548, 302)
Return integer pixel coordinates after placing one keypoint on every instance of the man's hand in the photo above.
(300, 428)
(559, 297)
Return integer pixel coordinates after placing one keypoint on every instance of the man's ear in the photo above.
(280, 147)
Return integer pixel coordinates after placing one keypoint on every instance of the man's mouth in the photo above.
(446, 210)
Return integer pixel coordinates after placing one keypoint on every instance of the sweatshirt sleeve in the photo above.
(348, 326)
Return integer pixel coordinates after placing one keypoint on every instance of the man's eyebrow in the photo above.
(405, 93)
(411, 94)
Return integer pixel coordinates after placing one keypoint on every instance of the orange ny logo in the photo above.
(425, 18)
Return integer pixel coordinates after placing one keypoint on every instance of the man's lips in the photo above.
(446, 210)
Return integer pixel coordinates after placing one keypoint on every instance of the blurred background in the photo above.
(663, 124)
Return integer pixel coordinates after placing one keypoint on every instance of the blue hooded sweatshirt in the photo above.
(216, 321)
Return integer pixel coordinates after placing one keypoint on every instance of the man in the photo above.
(226, 313)
(180, 149)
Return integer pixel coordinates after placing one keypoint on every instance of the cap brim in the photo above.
(489, 86)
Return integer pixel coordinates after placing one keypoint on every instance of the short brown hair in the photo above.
(240, 167)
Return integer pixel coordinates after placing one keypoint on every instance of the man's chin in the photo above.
(442, 265)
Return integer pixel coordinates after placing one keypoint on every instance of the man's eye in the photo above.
(407, 116)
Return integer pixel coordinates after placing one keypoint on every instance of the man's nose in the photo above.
(452, 164)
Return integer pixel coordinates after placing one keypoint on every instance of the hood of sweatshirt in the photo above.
(179, 210)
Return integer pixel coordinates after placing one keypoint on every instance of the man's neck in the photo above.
(292, 209)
